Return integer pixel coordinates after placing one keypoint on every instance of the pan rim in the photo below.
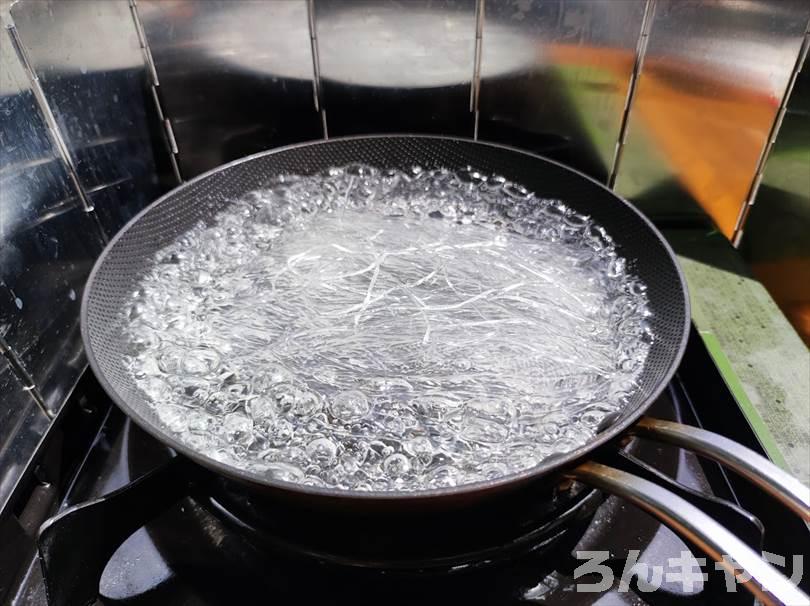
(544, 468)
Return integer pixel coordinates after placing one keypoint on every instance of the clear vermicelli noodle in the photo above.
(388, 330)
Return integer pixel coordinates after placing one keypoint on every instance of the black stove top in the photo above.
(588, 550)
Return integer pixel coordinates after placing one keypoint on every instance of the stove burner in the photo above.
(441, 542)
(230, 567)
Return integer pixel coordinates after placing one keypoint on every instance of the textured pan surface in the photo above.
(130, 253)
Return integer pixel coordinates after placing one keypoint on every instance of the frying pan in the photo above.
(129, 255)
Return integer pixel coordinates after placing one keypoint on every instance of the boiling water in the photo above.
(388, 330)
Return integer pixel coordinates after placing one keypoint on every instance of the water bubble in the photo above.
(306, 403)
(355, 453)
(170, 361)
(494, 471)
(223, 455)
(563, 445)
(219, 404)
(498, 411)
(463, 364)
(363, 427)
(323, 451)
(198, 421)
(137, 310)
(174, 418)
(237, 428)
(435, 407)
(156, 388)
(286, 472)
(445, 476)
(396, 465)
(616, 267)
(197, 390)
(199, 361)
(481, 429)
(593, 417)
(419, 447)
(262, 409)
(393, 385)
(278, 432)
(285, 395)
(326, 375)
(349, 405)
(576, 220)
(526, 455)
(197, 441)
(515, 191)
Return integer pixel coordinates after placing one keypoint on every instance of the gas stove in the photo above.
(205, 548)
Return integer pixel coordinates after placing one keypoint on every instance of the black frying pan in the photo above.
(649, 257)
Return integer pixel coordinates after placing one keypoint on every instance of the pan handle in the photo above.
(749, 464)
(766, 583)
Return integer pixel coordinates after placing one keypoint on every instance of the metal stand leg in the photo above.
(75, 546)
(744, 525)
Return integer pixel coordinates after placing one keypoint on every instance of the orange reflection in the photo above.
(709, 131)
(619, 60)
(786, 281)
